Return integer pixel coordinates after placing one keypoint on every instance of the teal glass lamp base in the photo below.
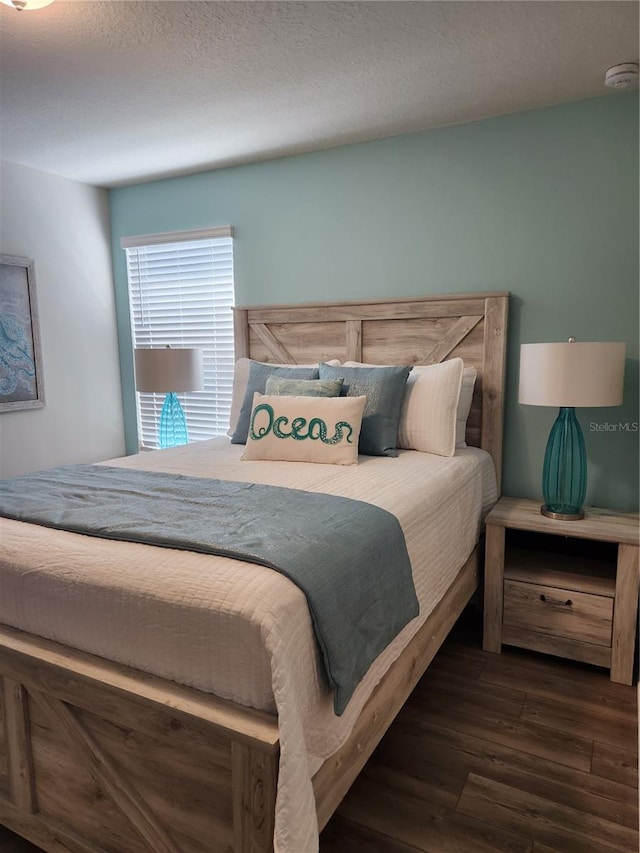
(173, 426)
(564, 476)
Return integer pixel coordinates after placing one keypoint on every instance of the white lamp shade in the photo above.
(166, 370)
(572, 374)
(27, 5)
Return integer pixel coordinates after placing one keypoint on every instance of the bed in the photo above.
(102, 752)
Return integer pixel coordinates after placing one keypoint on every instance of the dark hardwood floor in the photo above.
(511, 753)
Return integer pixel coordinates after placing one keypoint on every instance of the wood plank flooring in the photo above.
(516, 752)
(510, 753)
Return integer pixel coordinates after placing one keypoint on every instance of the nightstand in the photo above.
(568, 588)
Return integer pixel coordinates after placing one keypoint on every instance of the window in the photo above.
(181, 294)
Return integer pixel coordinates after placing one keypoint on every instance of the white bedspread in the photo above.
(235, 629)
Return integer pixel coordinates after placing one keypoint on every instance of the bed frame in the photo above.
(96, 757)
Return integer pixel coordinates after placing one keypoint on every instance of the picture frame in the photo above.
(21, 373)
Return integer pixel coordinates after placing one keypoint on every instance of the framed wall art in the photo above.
(21, 379)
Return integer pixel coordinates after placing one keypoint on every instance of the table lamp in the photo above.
(169, 370)
(568, 375)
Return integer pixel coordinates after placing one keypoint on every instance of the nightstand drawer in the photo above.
(559, 612)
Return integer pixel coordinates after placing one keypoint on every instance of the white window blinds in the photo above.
(181, 294)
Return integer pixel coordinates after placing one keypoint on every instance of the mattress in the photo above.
(235, 629)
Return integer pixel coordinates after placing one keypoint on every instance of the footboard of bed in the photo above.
(97, 758)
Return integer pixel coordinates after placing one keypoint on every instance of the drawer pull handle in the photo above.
(566, 603)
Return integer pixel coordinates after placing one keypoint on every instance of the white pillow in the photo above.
(429, 408)
(240, 380)
(428, 417)
(469, 375)
(288, 428)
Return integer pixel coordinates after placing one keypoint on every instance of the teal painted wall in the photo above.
(543, 204)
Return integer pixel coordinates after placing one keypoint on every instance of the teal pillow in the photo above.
(258, 375)
(384, 388)
(304, 387)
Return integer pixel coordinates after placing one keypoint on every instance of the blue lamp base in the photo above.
(564, 476)
(173, 426)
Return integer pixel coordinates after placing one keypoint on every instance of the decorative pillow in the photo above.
(304, 429)
(383, 387)
(240, 380)
(469, 375)
(257, 381)
(430, 407)
(304, 387)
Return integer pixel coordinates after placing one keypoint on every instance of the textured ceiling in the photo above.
(122, 91)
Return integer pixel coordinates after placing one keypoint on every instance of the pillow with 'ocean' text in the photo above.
(287, 428)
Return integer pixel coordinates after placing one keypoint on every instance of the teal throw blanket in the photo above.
(348, 557)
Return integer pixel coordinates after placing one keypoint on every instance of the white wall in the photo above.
(64, 226)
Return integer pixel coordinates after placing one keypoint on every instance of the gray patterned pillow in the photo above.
(383, 388)
(304, 387)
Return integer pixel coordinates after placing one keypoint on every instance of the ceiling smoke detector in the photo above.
(619, 76)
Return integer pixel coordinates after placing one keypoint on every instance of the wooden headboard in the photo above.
(412, 330)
